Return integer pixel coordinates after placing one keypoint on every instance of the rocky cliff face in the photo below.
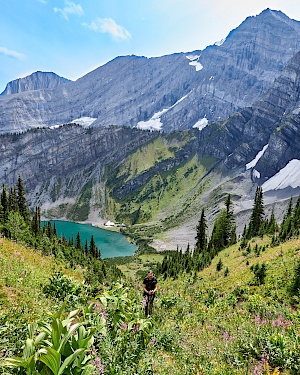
(35, 81)
(270, 127)
(137, 176)
(170, 92)
(63, 168)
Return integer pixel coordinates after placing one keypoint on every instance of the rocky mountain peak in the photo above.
(178, 91)
(35, 81)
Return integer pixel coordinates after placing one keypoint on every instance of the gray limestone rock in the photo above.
(169, 92)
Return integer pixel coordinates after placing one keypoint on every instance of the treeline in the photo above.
(17, 223)
(224, 235)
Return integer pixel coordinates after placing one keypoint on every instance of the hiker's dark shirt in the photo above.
(150, 284)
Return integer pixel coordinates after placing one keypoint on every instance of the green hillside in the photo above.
(221, 309)
(204, 323)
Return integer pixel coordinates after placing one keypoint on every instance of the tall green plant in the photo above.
(61, 347)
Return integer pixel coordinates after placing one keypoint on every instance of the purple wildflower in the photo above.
(225, 336)
(257, 319)
(97, 363)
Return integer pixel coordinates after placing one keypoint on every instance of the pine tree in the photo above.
(223, 233)
(219, 265)
(78, 242)
(4, 204)
(201, 238)
(86, 247)
(287, 225)
(71, 241)
(36, 222)
(296, 215)
(93, 248)
(12, 200)
(272, 227)
(21, 201)
(257, 215)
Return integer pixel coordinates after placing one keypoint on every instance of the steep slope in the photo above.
(64, 168)
(264, 137)
(178, 91)
(162, 180)
(35, 81)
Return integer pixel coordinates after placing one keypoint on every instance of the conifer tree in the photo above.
(257, 215)
(71, 241)
(21, 200)
(223, 229)
(4, 204)
(93, 248)
(272, 225)
(78, 241)
(201, 238)
(12, 200)
(287, 225)
(296, 215)
(49, 230)
(86, 247)
(36, 221)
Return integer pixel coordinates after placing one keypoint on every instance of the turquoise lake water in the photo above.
(111, 244)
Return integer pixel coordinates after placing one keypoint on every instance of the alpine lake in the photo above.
(111, 244)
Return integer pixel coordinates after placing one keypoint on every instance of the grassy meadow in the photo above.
(212, 322)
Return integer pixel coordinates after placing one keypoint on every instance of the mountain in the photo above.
(162, 180)
(177, 91)
(35, 81)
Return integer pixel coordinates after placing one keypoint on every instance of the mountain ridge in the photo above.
(169, 92)
(36, 81)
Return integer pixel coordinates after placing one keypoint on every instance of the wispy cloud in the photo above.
(70, 8)
(42, 1)
(109, 26)
(14, 54)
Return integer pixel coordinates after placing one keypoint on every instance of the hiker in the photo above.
(150, 287)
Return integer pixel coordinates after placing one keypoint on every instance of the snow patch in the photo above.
(154, 123)
(253, 162)
(256, 174)
(55, 126)
(287, 176)
(220, 42)
(201, 124)
(84, 121)
(194, 61)
(192, 57)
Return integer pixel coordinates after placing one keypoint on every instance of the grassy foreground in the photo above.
(205, 323)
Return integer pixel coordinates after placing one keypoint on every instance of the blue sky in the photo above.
(73, 37)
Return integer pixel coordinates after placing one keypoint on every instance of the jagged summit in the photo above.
(35, 81)
(177, 91)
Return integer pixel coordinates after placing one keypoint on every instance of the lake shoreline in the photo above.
(109, 240)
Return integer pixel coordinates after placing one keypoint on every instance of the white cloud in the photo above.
(70, 8)
(14, 54)
(109, 26)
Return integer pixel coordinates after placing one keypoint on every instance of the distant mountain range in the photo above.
(163, 179)
(178, 91)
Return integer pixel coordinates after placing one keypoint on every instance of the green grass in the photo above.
(23, 273)
(212, 324)
(204, 323)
